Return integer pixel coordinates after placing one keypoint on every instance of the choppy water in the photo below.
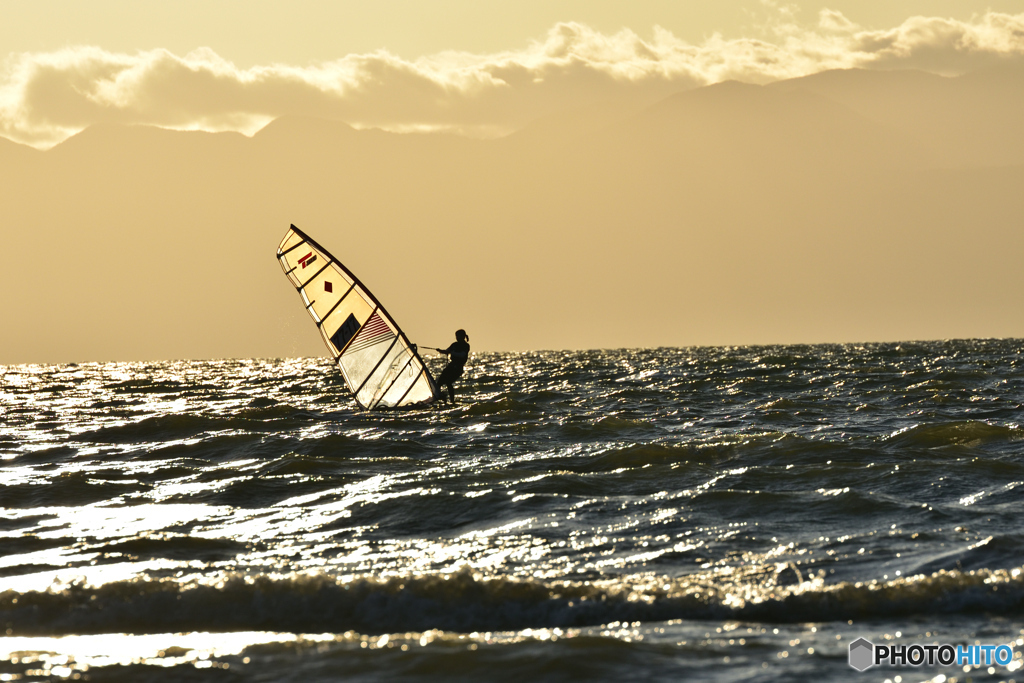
(712, 513)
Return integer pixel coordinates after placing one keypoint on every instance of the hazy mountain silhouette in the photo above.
(973, 120)
(755, 125)
(844, 206)
(15, 157)
(10, 149)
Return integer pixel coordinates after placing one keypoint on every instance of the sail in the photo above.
(380, 366)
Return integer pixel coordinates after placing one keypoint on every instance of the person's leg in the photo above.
(445, 381)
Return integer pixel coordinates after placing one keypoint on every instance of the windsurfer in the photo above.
(458, 354)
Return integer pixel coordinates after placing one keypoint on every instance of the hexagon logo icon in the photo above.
(862, 654)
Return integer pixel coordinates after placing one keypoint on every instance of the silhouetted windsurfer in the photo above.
(458, 354)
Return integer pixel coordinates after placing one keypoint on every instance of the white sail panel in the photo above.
(380, 366)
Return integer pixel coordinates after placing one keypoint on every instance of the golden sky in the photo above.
(255, 32)
(621, 175)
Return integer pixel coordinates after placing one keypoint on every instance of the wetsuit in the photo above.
(458, 354)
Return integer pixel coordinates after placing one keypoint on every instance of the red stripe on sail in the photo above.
(374, 331)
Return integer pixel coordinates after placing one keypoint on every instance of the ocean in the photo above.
(719, 514)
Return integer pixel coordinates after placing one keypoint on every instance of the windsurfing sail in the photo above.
(380, 366)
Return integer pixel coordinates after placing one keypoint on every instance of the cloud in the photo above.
(942, 45)
(45, 97)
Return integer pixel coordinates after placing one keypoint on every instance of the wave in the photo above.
(512, 403)
(53, 454)
(629, 457)
(463, 602)
(67, 489)
(178, 547)
(183, 426)
(969, 433)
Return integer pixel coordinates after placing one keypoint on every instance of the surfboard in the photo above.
(380, 366)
